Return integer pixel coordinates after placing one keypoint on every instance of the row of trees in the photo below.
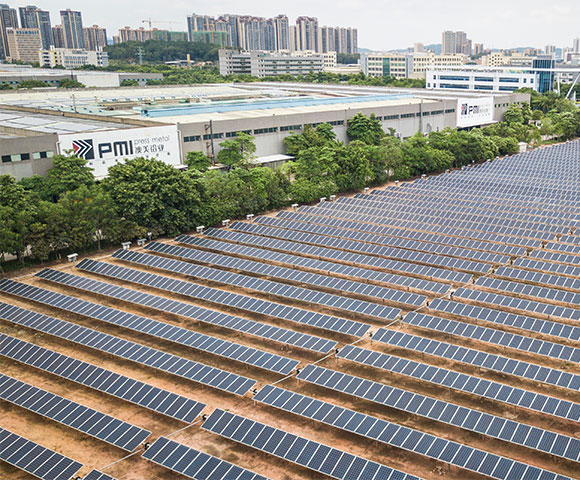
(28, 84)
(159, 51)
(68, 210)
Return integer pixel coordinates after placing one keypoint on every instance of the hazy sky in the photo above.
(382, 24)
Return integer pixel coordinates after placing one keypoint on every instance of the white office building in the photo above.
(490, 80)
(266, 64)
(68, 58)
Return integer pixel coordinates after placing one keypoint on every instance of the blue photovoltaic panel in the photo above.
(539, 278)
(97, 378)
(492, 336)
(269, 287)
(524, 289)
(72, 414)
(96, 475)
(194, 464)
(155, 328)
(478, 358)
(366, 248)
(558, 268)
(289, 274)
(545, 327)
(331, 254)
(307, 453)
(135, 352)
(183, 309)
(434, 409)
(35, 459)
(506, 301)
(310, 263)
(464, 383)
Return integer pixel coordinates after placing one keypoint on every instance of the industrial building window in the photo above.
(450, 110)
(507, 89)
(407, 115)
(483, 87)
(209, 136)
(454, 78)
(192, 138)
(259, 131)
(6, 159)
(337, 122)
(391, 117)
(437, 112)
(509, 80)
(235, 134)
(484, 79)
(289, 128)
(25, 156)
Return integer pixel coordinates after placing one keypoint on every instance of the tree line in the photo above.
(69, 211)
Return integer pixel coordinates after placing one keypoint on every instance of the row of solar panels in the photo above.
(289, 274)
(425, 237)
(372, 204)
(538, 278)
(389, 241)
(417, 205)
(157, 329)
(430, 408)
(127, 350)
(512, 238)
(358, 307)
(349, 258)
(309, 263)
(365, 248)
(183, 309)
(573, 249)
(494, 337)
(556, 257)
(526, 290)
(449, 379)
(543, 266)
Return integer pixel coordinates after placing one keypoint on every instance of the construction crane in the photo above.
(151, 22)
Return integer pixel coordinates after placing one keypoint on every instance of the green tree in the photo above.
(197, 161)
(16, 211)
(67, 174)
(154, 195)
(69, 83)
(129, 82)
(237, 152)
(366, 129)
(28, 84)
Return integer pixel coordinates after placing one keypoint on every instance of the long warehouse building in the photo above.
(107, 126)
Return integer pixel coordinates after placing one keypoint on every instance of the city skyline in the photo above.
(381, 25)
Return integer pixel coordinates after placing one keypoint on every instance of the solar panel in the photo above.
(293, 275)
(421, 405)
(463, 383)
(194, 464)
(366, 248)
(307, 453)
(522, 304)
(96, 475)
(422, 271)
(269, 287)
(526, 290)
(478, 358)
(539, 278)
(398, 243)
(541, 266)
(492, 336)
(556, 257)
(119, 386)
(135, 352)
(154, 328)
(530, 324)
(314, 264)
(180, 308)
(35, 459)
(72, 414)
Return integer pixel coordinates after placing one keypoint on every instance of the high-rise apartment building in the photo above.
(23, 44)
(576, 45)
(478, 48)
(72, 24)
(58, 36)
(455, 42)
(281, 30)
(307, 33)
(128, 34)
(550, 49)
(33, 17)
(94, 37)
(8, 19)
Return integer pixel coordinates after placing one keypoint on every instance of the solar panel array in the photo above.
(493, 336)
(525, 290)
(270, 287)
(538, 278)
(155, 328)
(310, 454)
(35, 459)
(179, 308)
(100, 379)
(72, 414)
(410, 439)
(192, 463)
(314, 264)
(541, 266)
(125, 349)
(96, 475)
(479, 358)
(463, 383)
(290, 274)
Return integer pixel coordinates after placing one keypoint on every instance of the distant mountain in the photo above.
(436, 47)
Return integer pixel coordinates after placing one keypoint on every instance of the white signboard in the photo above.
(472, 112)
(104, 149)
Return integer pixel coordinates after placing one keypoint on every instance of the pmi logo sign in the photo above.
(85, 149)
(469, 110)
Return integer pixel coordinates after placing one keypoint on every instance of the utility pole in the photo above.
(140, 55)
